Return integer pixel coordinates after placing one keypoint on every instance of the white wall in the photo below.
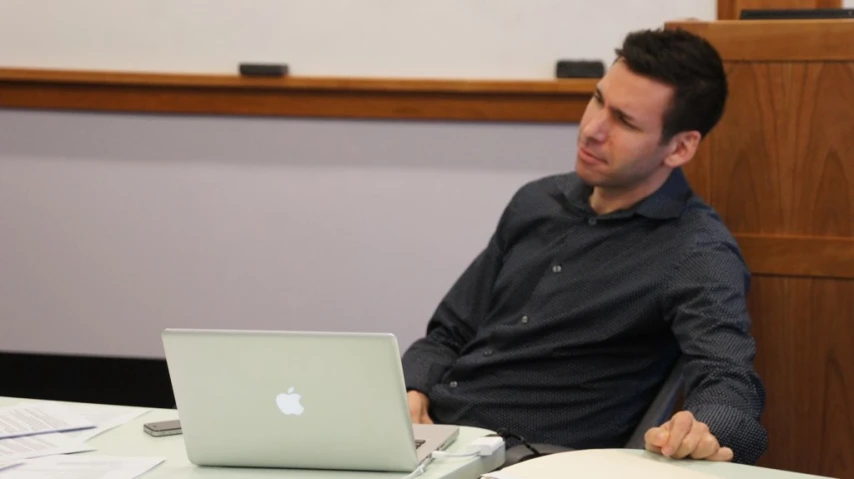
(113, 227)
(459, 38)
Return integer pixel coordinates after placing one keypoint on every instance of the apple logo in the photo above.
(289, 403)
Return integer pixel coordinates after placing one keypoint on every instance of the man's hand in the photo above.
(683, 436)
(418, 404)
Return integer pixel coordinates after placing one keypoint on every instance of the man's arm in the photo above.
(454, 322)
(458, 315)
(706, 304)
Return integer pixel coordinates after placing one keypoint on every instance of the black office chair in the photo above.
(660, 410)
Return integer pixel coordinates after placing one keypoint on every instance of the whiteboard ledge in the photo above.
(554, 101)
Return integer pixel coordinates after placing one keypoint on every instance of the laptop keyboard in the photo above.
(419, 443)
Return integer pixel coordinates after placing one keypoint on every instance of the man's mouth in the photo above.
(588, 157)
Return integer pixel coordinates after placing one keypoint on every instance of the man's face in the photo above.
(619, 136)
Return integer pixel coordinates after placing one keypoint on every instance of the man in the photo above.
(566, 324)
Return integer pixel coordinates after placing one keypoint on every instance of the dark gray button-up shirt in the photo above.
(564, 327)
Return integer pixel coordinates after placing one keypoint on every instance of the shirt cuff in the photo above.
(734, 429)
(420, 373)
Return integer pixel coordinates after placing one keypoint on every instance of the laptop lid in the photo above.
(289, 399)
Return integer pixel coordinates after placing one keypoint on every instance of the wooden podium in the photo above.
(779, 169)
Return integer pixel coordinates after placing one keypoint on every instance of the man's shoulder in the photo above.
(705, 225)
(538, 200)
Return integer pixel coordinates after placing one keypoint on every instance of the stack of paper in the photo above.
(33, 430)
(39, 445)
(36, 418)
(35, 437)
(36, 429)
(104, 418)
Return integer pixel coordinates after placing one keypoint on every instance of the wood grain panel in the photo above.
(781, 155)
(777, 40)
(730, 9)
(804, 357)
(779, 169)
(560, 101)
(699, 171)
(816, 257)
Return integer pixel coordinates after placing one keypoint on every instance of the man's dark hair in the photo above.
(689, 64)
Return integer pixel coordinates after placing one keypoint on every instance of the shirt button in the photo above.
(488, 352)
(453, 384)
(556, 268)
(591, 221)
(525, 319)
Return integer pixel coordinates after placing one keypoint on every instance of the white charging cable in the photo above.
(421, 469)
(481, 447)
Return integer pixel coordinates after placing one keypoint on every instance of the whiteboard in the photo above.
(506, 39)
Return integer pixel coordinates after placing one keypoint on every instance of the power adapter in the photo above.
(486, 445)
(483, 446)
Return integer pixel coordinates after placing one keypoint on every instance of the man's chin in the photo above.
(589, 177)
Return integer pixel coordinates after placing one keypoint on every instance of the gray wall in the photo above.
(117, 226)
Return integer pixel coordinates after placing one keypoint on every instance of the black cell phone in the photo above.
(163, 428)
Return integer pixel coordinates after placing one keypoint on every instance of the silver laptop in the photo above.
(301, 400)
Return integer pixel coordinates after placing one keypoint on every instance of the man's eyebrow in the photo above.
(618, 111)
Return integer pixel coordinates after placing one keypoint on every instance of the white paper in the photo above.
(104, 418)
(25, 447)
(500, 475)
(601, 464)
(83, 467)
(7, 465)
(36, 418)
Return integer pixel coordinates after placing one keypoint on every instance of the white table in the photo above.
(725, 469)
(130, 440)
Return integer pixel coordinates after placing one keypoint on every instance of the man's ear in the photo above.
(683, 146)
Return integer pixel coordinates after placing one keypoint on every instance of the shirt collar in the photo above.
(666, 203)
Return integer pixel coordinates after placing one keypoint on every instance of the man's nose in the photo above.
(597, 128)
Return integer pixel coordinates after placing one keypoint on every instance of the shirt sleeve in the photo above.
(706, 304)
(458, 315)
